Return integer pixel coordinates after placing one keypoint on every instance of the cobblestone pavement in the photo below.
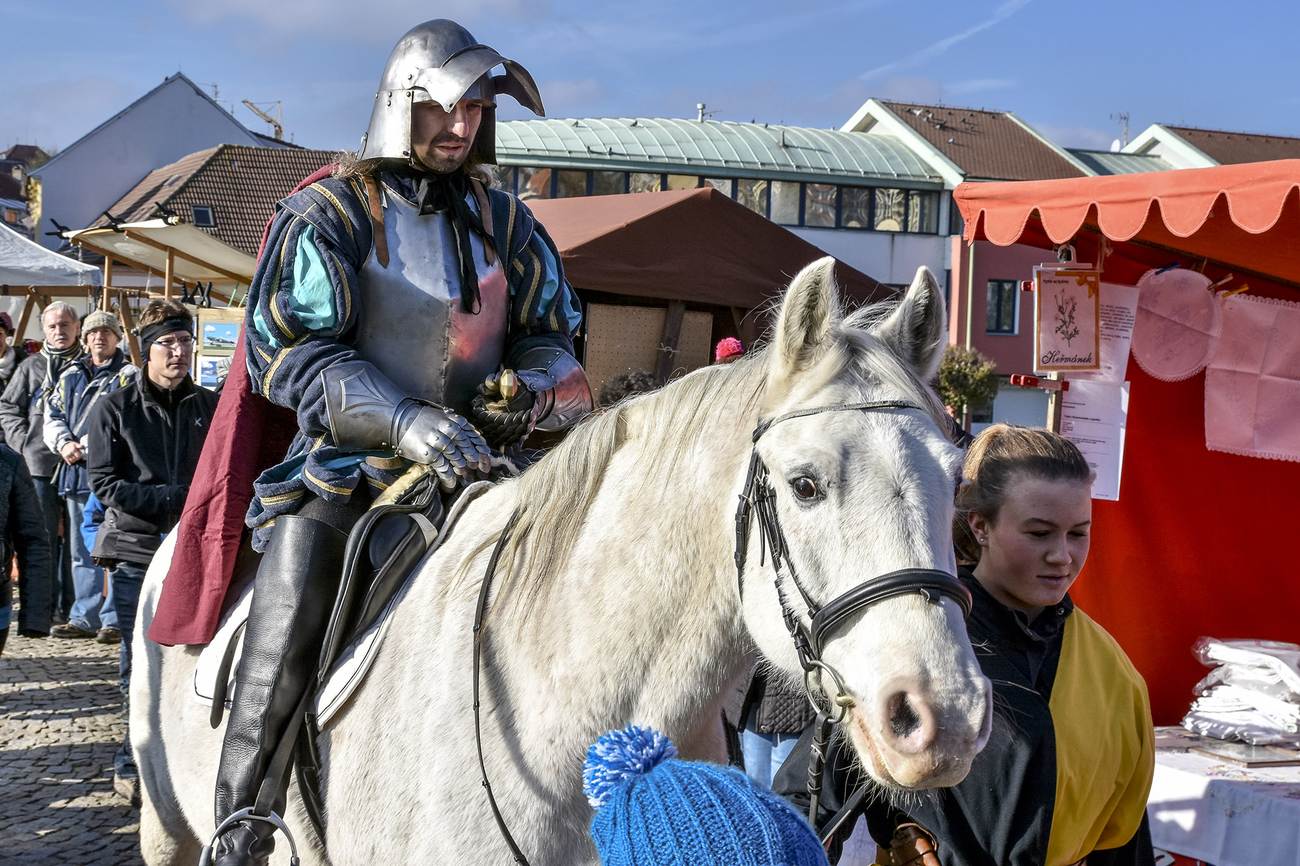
(60, 723)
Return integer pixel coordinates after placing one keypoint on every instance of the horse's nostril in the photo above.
(903, 720)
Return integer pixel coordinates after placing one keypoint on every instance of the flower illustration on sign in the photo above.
(1066, 307)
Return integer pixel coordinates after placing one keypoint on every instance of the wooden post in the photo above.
(665, 363)
(108, 281)
(26, 315)
(128, 328)
(167, 275)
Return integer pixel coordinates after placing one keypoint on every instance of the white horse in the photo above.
(616, 601)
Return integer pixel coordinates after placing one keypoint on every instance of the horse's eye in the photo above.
(805, 488)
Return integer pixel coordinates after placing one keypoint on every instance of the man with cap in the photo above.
(101, 371)
(393, 308)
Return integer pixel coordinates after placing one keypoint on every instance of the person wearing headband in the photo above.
(142, 444)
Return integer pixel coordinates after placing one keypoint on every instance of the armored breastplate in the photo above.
(411, 324)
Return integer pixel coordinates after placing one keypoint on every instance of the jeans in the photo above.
(127, 578)
(765, 753)
(62, 592)
(92, 610)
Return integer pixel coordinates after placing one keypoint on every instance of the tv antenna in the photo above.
(701, 112)
(1121, 118)
(276, 120)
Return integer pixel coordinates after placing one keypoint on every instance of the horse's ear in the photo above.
(917, 329)
(811, 305)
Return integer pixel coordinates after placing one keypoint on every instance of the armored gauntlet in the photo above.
(366, 410)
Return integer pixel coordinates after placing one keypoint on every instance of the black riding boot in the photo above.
(297, 580)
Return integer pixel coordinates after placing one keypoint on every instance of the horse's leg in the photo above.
(165, 841)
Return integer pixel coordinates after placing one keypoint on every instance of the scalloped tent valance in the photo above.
(1243, 216)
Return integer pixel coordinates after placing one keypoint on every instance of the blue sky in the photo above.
(1063, 67)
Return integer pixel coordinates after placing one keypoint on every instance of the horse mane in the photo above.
(554, 496)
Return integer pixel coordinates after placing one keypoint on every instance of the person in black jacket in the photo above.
(22, 529)
(143, 444)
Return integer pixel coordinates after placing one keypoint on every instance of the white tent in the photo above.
(25, 263)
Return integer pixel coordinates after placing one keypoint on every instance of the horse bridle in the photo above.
(758, 500)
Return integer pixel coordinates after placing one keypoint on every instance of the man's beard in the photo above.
(436, 162)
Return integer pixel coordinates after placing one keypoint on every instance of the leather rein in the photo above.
(758, 499)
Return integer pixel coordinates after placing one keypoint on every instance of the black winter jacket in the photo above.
(24, 532)
(143, 445)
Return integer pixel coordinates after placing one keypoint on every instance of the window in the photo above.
(203, 216)
(682, 181)
(922, 211)
(855, 207)
(819, 205)
(891, 210)
(640, 181)
(785, 202)
(570, 183)
(956, 225)
(752, 194)
(1004, 303)
(608, 183)
(721, 184)
(534, 182)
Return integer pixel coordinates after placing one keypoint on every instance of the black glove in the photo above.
(503, 418)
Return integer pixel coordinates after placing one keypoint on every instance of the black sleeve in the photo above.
(1138, 851)
(107, 451)
(32, 546)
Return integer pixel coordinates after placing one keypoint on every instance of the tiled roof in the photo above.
(985, 145)
(1110, 162)
(710, 147)
(240, 183)
(11, 187)
(1230, 148)
(27, 154)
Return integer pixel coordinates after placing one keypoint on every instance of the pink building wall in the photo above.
(1012, 353)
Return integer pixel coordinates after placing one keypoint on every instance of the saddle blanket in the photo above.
(354, 661)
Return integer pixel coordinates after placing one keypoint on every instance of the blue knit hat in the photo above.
(652, 809)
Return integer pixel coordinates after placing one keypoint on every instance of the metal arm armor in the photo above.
(559, 385)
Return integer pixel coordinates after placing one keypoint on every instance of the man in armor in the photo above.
(388, 303)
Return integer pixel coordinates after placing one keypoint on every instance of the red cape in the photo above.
(248, 434)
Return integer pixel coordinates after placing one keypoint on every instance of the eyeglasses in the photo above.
(175, 344)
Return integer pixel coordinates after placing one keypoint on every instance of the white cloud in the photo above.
(1004, 11)
(1088, 137)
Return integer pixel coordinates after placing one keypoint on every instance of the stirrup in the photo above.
(205, 856)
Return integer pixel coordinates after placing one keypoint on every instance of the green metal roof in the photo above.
(1110, 162)
(714, 148)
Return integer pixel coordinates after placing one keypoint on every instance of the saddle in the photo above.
(383, 549)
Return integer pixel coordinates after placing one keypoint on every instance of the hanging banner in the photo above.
(1118, 314)
(1067, 320)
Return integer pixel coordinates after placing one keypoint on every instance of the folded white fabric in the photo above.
(1253, 693)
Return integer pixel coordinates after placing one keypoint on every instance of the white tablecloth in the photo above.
(1221, 812)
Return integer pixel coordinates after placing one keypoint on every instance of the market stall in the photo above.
(31, 277)
(1199, 542)
(664, 275)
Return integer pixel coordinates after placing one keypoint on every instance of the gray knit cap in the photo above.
(102, 319)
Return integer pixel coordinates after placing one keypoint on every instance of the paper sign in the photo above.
(1067, 320)
(1093, 417)
(1118, 313)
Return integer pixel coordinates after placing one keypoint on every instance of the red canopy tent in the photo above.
(1197, 543)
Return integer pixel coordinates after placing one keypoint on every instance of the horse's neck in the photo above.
(647, 605)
